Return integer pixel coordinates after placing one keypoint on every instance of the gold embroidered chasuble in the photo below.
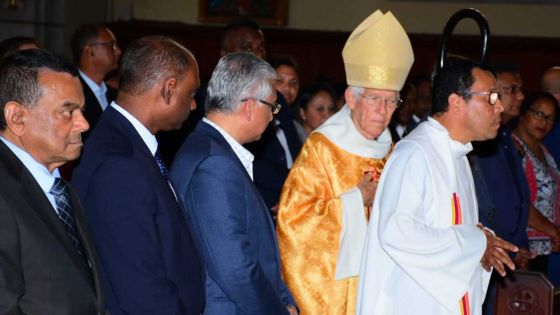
(310, 224)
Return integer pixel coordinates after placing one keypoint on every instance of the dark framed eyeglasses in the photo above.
(493, 96)
(542, 116)
(112, 44)
(274, 107)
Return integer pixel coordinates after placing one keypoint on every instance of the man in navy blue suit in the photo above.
(213, 174)
(501, 189)
(150, 262)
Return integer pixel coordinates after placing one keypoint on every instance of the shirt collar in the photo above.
(148, 138)
(458, 149)
(97, 89)
(37, 170)
(242, 153)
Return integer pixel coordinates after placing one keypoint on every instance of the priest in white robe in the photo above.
(425, 252)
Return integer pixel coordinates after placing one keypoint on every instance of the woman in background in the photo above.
(538, 116)
(316, 105)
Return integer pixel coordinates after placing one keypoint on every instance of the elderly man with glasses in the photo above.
(325, 202)
(425, 242)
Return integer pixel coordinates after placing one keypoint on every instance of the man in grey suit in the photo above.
(48, 264)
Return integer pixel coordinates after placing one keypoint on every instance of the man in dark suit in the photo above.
(151, 265)
(96, 53)
(279, 145)
(213, 174)
(48, 263)
(502, 191)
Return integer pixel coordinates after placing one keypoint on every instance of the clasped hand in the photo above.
(496, 253)
(368, 186)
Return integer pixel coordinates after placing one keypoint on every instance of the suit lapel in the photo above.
(93, 109)
(217, 136)
(117, 120)
(32, 194)
(88, 246)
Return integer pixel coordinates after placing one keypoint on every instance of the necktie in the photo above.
(161, 165)
(65, 213)
(163, 170)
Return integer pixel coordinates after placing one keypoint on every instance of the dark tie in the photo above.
(163, 170)
(65, 213)
(161, 165)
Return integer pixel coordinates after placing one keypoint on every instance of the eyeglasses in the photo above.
(493, 96)
(391, 103)
(274, 107)
(512, 89)
(112, 44)
(542, 116)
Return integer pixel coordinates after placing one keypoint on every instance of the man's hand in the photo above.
(496, 254)
(522, 258)
(368, 186)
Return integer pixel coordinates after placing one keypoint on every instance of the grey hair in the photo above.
(357, 90)
(239, 76)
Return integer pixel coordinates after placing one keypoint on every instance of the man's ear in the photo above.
(454, 102)
(350, 97)
(247, 109)
(15, 115)
(168, 89)
(87, 51)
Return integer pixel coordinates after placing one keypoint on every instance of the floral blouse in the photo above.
(544, 187)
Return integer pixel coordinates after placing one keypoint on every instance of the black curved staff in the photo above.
(450, 26)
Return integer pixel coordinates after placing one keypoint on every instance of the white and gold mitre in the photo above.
(378, 53)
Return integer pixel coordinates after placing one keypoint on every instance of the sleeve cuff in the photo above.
(352, 234)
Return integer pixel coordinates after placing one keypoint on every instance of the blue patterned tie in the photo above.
(163, 170)
(161, 164)
(65, 213)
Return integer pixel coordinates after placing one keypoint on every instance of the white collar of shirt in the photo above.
(281, 136)
(400, 129)
(457, 148)
(148, 138)
(243, 154)
(340, 129)
(99, 90)
(44, 178)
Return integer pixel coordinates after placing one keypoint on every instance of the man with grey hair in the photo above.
(327, 197)
(213, 174)
(150, 262)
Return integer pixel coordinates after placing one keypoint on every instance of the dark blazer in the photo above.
(270, 170)
(408, 128)
(150, 261)
(231, 226)
(501, 188)
(93, 109)
(40, 270)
